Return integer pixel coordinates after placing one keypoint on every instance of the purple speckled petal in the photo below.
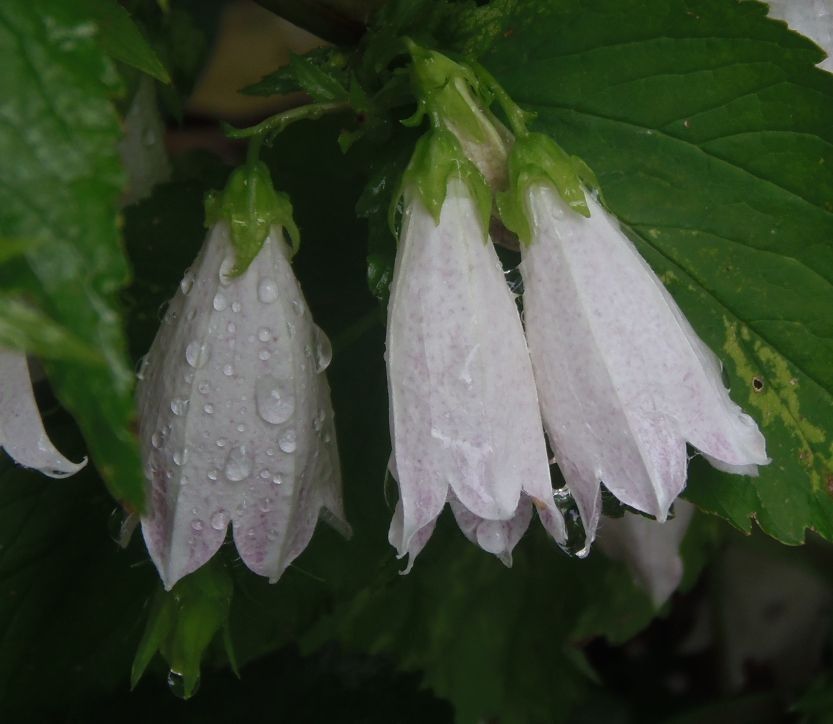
(464, 410)
(624, 380)
(235, 416)
(21, 429)
(650, 549)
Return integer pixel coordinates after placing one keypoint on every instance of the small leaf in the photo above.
(121, 39)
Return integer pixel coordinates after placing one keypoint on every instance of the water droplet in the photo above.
(265, 505)
(179, 406)
(221, 442)
(267, 290)
(274, 401)
(277, 480)
(290, 326)
(156, 440)
(187, 282)
(220, 301)
(323, 350)
(228, 370)
(270, 452)
(265, 474)
(208, 409)
(264, 354)
(226, 269)
(197, 354)
(241, 427)
(196, 524)
(238, 463)
(212, 474)
(180, 687)
(204, 387)
(181, 456)
(188, 377)
(235, 307)
(219, 520)
(298, 307)
(264, 334)
(287, 443)
(231, 327)
(144, 363)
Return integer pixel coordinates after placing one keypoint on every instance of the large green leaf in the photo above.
(711, 134)
(60, 182)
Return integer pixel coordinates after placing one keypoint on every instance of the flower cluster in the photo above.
(621, 379)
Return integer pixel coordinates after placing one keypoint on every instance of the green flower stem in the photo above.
(277, 123)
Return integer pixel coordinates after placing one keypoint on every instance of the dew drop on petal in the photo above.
(287, 443)
(196, 524)
(231, 327)
(180, 456)
(156, 440)
(264, 354)
(235, 307)
(187, 282)
(219, 520)
(228, 370)
(265, 505)
(221, 442)
(204, 388)
(275, 402)
(238, 463)
(323, 350)
(220, 301)
(277, 480)
(208, 409)
(179, 406)
(267, 290)
(264, 334)
(298, 307)
(265, 474)
(226, 269)
(197, 354)
(212, 474)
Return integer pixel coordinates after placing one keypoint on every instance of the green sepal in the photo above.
(537, 159)
(444, 91)
(437, 158)
(183, 622)
(251, 206)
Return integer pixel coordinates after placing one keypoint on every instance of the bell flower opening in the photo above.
(624, 380)
(465, 421)
(22, 434)
(236, 422)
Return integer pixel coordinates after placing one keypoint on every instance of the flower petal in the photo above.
(236, 420)
(623, 378)
(21, 429)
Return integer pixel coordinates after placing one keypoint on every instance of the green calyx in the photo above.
(437, 159)
(251, 206)
(537, 159)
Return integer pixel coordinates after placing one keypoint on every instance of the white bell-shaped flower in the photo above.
(21, 429)
(465, 420)
(236, 422)
(650, 549)
(624, 380)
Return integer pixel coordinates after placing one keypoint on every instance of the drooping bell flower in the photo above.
(464, 415)
(21, 429)
(236, 423)
(650, 549)
(624, 380)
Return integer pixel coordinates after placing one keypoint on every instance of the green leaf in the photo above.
(711, 134)
(321, 72)
(61, 182)
(26, 328)
(121, 39)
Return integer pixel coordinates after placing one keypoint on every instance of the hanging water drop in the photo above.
(187, 282)
(197, 354)
(267, 290)
(288, 443)
(275, 402)
(238, 463)
(323, 350)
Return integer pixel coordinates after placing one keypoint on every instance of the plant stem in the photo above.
(277, 123)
